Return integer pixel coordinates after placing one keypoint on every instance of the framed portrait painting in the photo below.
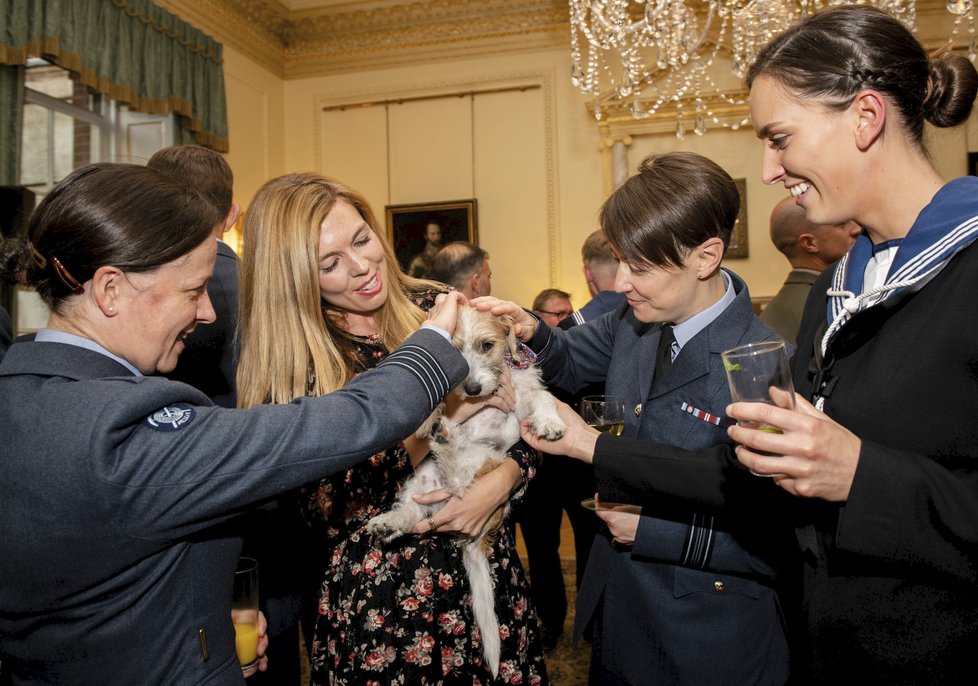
(738, 247)
(418, 230)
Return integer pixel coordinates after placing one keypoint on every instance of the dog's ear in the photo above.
(510, 335)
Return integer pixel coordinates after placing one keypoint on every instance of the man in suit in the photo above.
(6, 332)
(465, 267)
(208, 363)
(673, 594)
(810, 248)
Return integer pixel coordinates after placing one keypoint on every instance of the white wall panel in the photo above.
(354, 150)
(430, 143)
(511, 182)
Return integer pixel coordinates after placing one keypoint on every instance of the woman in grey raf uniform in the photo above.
(116, 557)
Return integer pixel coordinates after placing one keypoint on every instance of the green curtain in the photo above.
(11, 121)
(131, 50)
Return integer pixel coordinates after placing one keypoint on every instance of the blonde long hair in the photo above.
(289, 336)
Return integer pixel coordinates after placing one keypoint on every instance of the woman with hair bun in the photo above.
(122, 490)
(885, 458)
(883, 463)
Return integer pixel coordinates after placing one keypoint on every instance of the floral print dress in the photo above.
(401, 612)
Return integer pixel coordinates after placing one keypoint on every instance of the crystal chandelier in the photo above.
(690, 56)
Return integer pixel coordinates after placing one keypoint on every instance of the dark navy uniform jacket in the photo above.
(693, 601)
(115, 561)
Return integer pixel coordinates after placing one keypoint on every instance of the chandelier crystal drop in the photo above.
(691, 56)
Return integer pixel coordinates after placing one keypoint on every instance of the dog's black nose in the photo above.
(473, 389)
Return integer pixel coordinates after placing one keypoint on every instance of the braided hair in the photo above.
(833, 54)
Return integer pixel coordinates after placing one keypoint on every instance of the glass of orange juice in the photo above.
(244, 614)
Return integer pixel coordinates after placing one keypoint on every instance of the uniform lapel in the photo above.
(648, 341)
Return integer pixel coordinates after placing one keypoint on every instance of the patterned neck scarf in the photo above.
(946, 226)
(524, 357)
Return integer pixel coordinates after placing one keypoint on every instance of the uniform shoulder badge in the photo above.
(171, 417)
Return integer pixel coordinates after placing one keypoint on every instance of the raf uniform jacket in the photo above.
(693, 601)
(209, 362)
(783, 313)
(114, 564)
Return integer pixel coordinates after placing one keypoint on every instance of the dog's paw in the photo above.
(550, 428)
(385, 527)
(443, 430)
(430, 424)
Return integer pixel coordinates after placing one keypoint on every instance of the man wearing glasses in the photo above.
(552, 306)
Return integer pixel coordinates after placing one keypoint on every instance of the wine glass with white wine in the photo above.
(606, 413)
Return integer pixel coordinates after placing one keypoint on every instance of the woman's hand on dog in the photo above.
(503, 398)
(444, 313)
(578, 440)
(524, 323)
(468, 515)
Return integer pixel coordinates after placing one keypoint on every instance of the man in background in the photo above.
(420, 265)
(465, 267)
(810, 248)
(553, 306)
(209, 361)
(600, 266)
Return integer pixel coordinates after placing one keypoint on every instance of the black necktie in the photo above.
(663, 354)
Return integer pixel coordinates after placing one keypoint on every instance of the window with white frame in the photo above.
(66, 126)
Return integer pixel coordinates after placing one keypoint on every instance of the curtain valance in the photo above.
(131, 50)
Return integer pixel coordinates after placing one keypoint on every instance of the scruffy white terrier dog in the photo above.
(463, 452)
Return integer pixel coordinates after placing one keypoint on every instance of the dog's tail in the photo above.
(483, 602)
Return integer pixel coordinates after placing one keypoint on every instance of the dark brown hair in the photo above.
(677, 201)
(124, 215)
(205, 169)
(835, 53)
(545, 295)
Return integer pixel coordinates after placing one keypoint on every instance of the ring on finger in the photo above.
(431, 524)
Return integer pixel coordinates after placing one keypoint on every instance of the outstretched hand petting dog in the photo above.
(444, 313)
(468, 515)
(524, 323)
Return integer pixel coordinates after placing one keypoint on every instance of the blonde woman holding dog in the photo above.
(324, 299)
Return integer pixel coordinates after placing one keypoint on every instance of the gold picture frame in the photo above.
(407, 225)
(739, 247)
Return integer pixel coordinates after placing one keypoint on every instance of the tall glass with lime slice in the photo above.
(753, 370)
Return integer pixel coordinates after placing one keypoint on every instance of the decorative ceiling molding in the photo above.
(352, 36)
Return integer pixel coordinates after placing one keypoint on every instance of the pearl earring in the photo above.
(111, 310)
